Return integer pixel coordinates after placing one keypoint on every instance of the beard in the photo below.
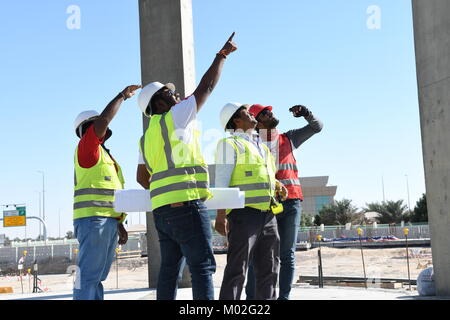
(273, 123)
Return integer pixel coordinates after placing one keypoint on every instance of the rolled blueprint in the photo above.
(134, 200)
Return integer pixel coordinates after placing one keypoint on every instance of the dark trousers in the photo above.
(288, 224)
(252, 235)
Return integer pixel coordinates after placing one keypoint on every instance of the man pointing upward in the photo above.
(179, 182)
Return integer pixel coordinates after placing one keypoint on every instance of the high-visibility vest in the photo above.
(253, 174)
(95, 186)
(178, 170)
(287, 172)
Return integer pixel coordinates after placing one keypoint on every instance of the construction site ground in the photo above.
(131, 280)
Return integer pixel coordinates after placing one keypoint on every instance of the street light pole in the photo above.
(43, 195)
(40, 213)
(407, 190)
(59, 223)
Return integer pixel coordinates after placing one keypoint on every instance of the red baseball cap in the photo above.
(257, 108)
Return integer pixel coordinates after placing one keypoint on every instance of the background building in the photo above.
(316, 194)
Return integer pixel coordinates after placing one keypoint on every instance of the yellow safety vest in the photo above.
(178, 170)
(253, 174)
(95, 186)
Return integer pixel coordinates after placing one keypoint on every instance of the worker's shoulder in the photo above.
(231, 141)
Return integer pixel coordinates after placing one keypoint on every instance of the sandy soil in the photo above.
(379, 263)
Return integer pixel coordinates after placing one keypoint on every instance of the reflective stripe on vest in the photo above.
(253, 174)
(174, 179)
(290, 182)
(167, 146)
(95, 187)
(142, 146)
(287, 166)
(254, 186)
(178, 172)
(256, 200)
(104, 192)
(94, 204)
(179, 186)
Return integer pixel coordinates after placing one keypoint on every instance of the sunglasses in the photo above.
(263, 113)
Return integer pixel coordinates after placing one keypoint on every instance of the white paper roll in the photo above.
(134, 200)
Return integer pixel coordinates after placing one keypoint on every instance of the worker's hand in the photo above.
(123, 234)
(221, 224)
(129, 91)
(300, 111)
(281, 191)
(229, 46)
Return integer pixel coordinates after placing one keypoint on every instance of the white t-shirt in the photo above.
(184, 116)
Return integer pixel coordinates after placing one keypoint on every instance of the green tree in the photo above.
(420, 213)
(339, 213)
(306, 220)
(389, 211)
(7, 242)
(69, 235)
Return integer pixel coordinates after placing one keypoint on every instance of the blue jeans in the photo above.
(288, 224)
(185, 231)
(97, 237)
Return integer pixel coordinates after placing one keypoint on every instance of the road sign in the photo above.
(15, 218)
(22, 211)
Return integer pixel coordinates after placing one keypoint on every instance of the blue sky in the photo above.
(360, 82)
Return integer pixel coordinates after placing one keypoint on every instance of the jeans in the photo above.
(288, 224)
(185, 231)
(97, 237)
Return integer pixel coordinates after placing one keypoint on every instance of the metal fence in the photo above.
(415, 232)
(56, 257)
(309, 234)
(51, 258)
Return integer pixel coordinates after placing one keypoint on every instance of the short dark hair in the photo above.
(84, 128)
(230, 124)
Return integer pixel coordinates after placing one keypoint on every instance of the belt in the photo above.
(180, 204)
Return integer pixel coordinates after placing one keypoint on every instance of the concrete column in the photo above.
(167, 55)
(432, 40)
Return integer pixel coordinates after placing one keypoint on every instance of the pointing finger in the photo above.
(231, 38)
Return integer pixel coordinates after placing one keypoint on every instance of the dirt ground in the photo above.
(379, 263)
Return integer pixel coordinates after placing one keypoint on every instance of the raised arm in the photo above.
(298, 136)
(211, 77)
(102, 122)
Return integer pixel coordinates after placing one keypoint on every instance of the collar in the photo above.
(254, 135)
(269, 135)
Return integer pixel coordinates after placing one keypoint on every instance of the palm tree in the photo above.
(339, 212)
(389, 211)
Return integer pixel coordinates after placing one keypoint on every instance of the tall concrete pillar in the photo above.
(167, 55)
(432, 40)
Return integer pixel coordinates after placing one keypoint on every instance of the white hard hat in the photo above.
(147, 93)
(82, 118)
(227, 112)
